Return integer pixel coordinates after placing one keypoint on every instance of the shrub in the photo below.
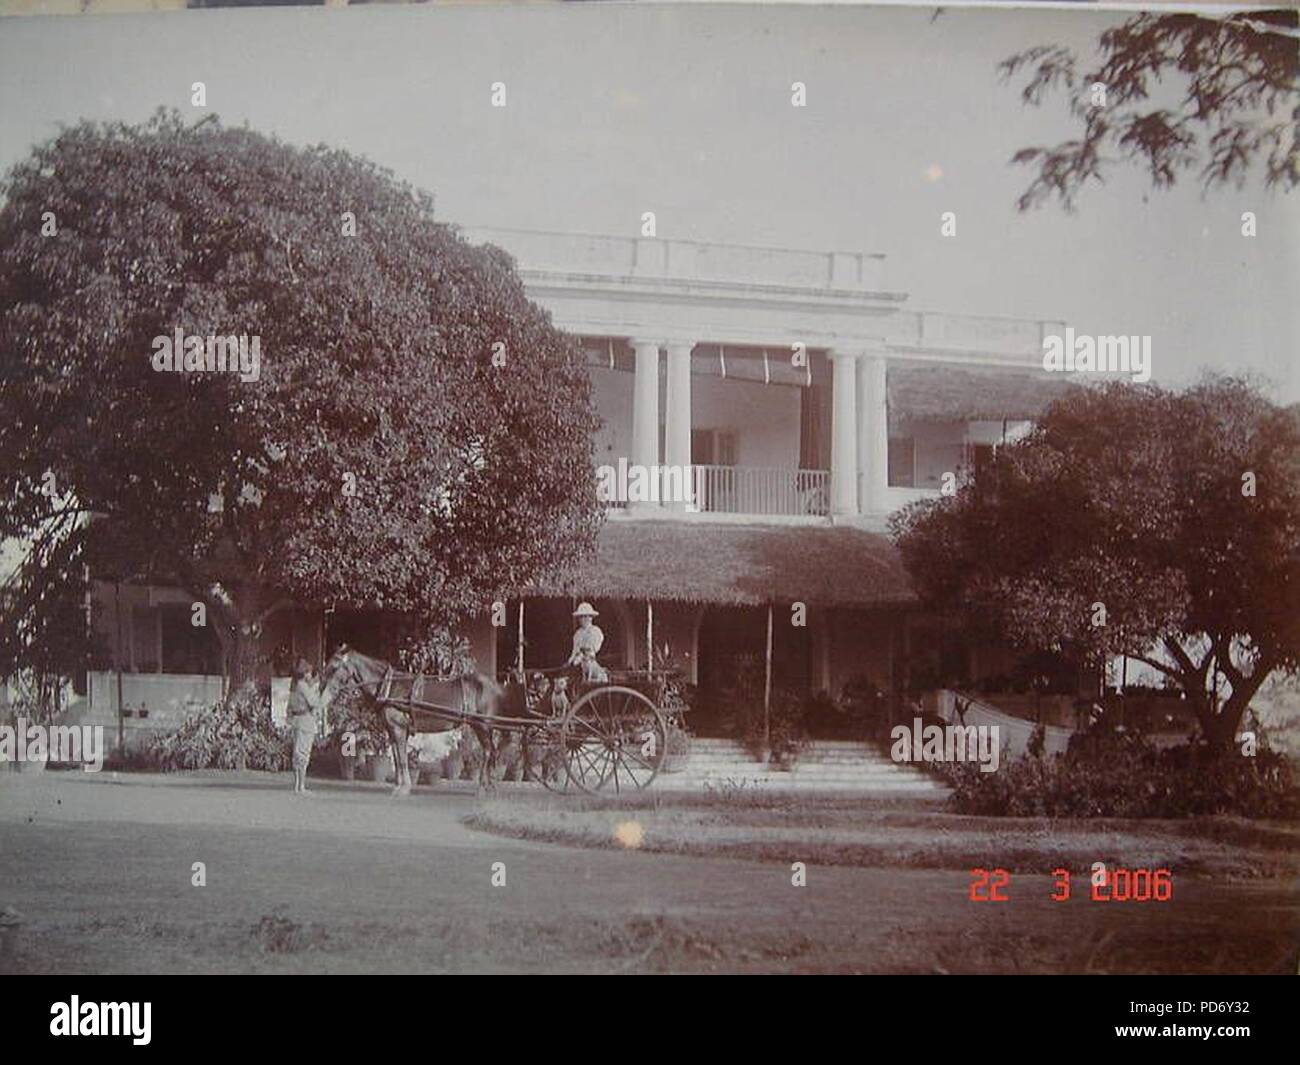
(140, 759)
(351, 714)
(785, 726)
(1108, 773)
(864, 708)
(437, 652)
(238, 734)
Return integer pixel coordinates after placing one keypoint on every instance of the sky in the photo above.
(614, 109)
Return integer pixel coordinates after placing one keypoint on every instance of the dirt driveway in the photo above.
(101, 873)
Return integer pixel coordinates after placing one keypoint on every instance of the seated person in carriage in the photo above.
(587, 641)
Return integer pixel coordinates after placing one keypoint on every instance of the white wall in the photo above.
(939, 446)
(765, 418)
(937, 450)
(611, 392)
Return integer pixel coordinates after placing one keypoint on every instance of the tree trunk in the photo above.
(1220, 728)
(1201, 705)
(1229, 718)
(239, 634)
(241, 658)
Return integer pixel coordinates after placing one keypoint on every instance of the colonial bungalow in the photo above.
(806, 402)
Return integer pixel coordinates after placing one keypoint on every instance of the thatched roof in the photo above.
(944, 392)
(725, 564)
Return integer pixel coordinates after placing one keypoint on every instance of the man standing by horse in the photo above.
(306, 703)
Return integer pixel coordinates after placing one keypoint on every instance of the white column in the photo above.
(873, 431)
(677, 437)
(645, 409)
(844, 433)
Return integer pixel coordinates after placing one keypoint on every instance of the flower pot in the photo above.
(380, 768)
(678, 753)
(455, 765)
(348, 766)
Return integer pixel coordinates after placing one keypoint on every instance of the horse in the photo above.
(474, 692)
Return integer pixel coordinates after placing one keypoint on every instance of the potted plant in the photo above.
(354, 728)
(673, 696)
(783, 727)
(381, 766)
(679, 747)
(454, 763)
(347, 765)
(471, 754)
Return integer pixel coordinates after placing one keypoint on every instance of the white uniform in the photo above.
(587, 642)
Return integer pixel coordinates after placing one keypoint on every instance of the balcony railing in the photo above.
(762, 490)
(657, 257)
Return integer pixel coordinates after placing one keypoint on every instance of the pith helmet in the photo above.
(586, 610)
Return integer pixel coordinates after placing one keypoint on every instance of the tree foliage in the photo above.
(1178, 513)
(382, 457)
(1239, 78)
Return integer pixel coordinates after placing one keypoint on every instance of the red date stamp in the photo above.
(1105, 885)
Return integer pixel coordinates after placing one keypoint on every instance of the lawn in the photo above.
(99, 871)
(901, 833)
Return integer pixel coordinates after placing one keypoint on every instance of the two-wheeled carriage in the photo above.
(604, 736)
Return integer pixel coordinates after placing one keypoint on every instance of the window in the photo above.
(980, 456)
(902, 461)
(144, 639)
(187, 648)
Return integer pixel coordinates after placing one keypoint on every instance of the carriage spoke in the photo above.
(634, 756)
(581, 753)
(606, 766)
(593, 762)
(591, 728)
(638, 758)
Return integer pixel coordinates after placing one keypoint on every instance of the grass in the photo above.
(893, 834)
(98, 871)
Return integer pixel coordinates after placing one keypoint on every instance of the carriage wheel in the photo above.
(613, 738)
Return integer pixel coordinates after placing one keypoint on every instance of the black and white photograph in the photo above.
(650, 489)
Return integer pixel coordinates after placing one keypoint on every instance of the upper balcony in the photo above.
(748, 295)
(685, 260)
(691, 349)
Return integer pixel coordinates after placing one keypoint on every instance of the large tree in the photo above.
(418, 437)
(1138, 521)
(1216, 95)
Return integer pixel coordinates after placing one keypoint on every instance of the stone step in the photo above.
(821, 749)
(805, 772)
(805, 778)
(846, 764)
(866, 774)
(784, 781)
